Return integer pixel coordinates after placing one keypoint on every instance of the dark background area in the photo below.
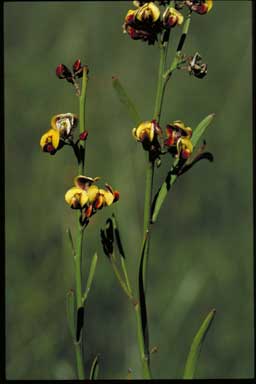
(201, 250)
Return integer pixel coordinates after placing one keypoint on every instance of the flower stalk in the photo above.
(80, 229)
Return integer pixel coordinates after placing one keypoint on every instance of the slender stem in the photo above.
(80, 230)
(176, 58)
(82, 100)
(79, 361)
(163, 78)
(78, 258)
(144, 359)
(160, 84)
(143, 341)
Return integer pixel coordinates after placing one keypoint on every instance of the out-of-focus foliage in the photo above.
(201, 255)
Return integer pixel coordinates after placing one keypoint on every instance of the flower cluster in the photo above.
(143, 23)
(177, 143)
(146, 22)
(63, 72)
(62, 127)
(88, 197)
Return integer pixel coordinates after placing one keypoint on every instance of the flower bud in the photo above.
(78, 69)
(83, 136)
(62, 72)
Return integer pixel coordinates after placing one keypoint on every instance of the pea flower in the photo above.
(147, 133)
(62, 127)
(171, 17)
(88, 197)
(148, 13)
(200, 6)
(143, 23)
(178, 139)
(50, 140)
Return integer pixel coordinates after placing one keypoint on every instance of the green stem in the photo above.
(82, 100)
(79, 361)
(143, 341)
(80, 230)
(144, 359)
(177, 57)
(160, 83)
(78, 276)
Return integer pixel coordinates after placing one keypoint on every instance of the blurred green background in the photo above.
(201, 255)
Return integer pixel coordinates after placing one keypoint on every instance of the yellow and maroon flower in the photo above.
(62, 127)
(146, 131)
(200, 6)
(50, 141)
(178, 139)
(148, 13)
(171, 17)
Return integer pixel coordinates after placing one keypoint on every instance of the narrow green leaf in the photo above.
(124, 98)
(196, 346)
(94, 369)
(171, 178)
(200, 129)
(70, 308)
(91, 276)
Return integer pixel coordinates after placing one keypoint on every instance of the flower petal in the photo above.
(76, 197)
(92, 192)
(52, 136)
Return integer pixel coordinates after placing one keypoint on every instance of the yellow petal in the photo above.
(209, 3)
(53, 121)
(52, 136)
(148, 10)
(55, 138)
(92, 192)
(84, 198)
(71, 193)
(108, 197)
(78, 194)
(145, 130)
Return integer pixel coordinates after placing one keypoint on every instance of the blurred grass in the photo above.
(201, 254)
